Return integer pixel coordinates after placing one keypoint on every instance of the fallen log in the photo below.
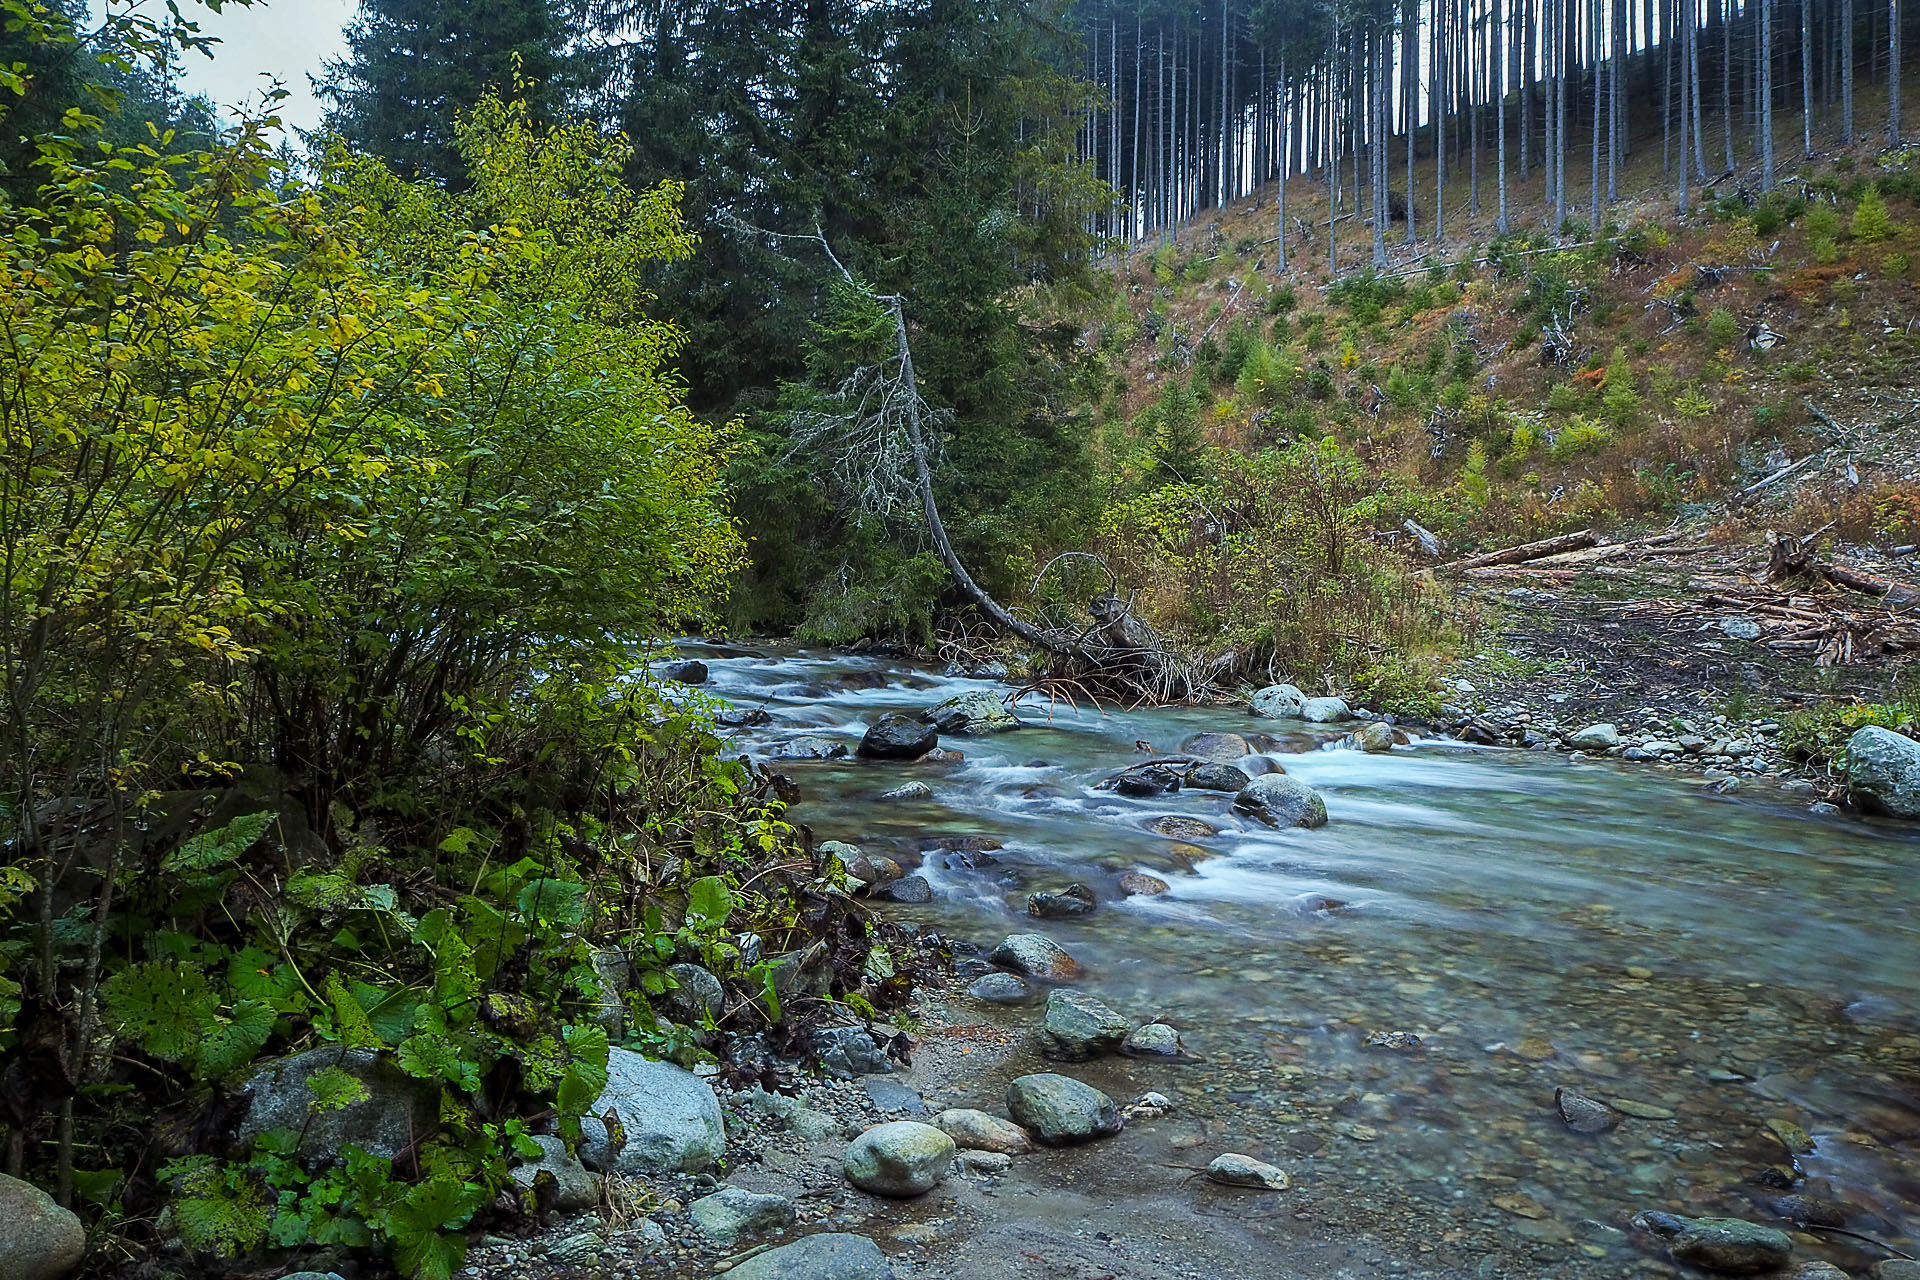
(1525, 552)
(1743, 494)
(1789, 556)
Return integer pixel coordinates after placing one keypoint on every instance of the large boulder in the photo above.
(1326, 711)
(1217, 777)
(668, 1117)
(1280, 800)
(697, 994)
(732, 1212)
(1058, 1109)
(1278, 702)
(1374, 738)
(1595, 737)
(898, 737)
(1732, 1245)
(1223, 748)
(972, 713)
(392, 1112)
(904, 1158)
(38, 1239)
(1036, 956)
(1079, 1027)
(559, 1177)
(977, 1131)
(827, 1256)
(1883, 771)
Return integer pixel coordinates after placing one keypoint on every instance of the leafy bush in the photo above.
(1619, 400)
(1871, 221)
(1583, 436)
(1722, 328)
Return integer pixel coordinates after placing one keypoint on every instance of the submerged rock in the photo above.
(1178, 826)
(1282, 801)
(1217, 777)
(1731, 1245)
(1058, 1109)
(827, 1256)
(1036, 956)
(971, 713)
(1154, 1040)
(689, 672)
(1079, 1027)
(1236, 1170)
(909, 791)
(1223, 748)
(904, 1158)
(1139, 884)
(1277, 701)
(1074, 900)
(807, 747)
(898, 737)
(668, 1119)
(1583, 1114)
(1883, 771)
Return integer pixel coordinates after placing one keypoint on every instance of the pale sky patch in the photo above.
(287, 39)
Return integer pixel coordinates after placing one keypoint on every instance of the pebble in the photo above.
(1235, 1170)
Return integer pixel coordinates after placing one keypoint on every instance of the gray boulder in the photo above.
(615, 976)
(1375, 738)
(1223, 748)
(850, 1051)
(1732, 1245)
(1036, 956)
(1058, 1109)
(1883, 771)
(828, 1256)
(1154, 1040)
(565, 1181)
(668, 1120)
(977, 1131)
(38, 1239)
(1326, 711)
(904, 1158)
(393, 1111)
(1278, 701)
(911, 890)
(1236, 1170)
(688, 672)
(1079, 1027)
(898, 737)
(1074, 900)
(698, 995)
(1595, 737)
(972, 713)
(1000, 988)
(909, 791)
(1217, 777)
(1282, 801)
(807, 747)
(732, 1212)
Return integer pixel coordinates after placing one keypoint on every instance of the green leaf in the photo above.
(217, 848)
(558, 902)
(710, 901)
(336, 1090)
(165, 1008)
(234, 1043)
(97, 1187)
(349, 1019)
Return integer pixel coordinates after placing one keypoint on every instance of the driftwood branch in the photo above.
(1525, 552)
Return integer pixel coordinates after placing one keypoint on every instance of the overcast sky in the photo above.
(289, 39)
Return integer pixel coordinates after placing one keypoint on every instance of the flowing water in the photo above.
(1715, 965)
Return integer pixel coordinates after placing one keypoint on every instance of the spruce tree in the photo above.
(413, 65)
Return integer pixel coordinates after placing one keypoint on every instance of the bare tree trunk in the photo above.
(1725, 8)
(1693, 75)
(1500, 43)
(1377, 151)
(1893, 71)
(1766, 94)
(1806, 77)
(1439, 109)
(1686, 100)
(1596, 68)
(1286, 162)
(1846, 72)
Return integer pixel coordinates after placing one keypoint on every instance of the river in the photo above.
(1722, 968)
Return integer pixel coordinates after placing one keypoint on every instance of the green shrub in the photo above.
(1281, 300)
(1565, 397)
(1896, 266)
(1871, 221)
(1582, 436)
(1722, 328)
(1619, 400)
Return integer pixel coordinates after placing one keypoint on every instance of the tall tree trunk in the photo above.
(1286, 162)
(1596, 69)
(1693, 75)
(1846, 72)
(1376, 148)
(1561, 30)
(1476, 41)
(1666, 84)
(1686, 100)
(1893, 71)
(1439, 110)
(1135, 228)
(1766, 95)
(1725, 8)
(1528, 52)
(1500, 45)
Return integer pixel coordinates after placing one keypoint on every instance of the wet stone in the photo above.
(1079, 1027)
(1000, 988)
(909, 890)
(1074, 900)
(1217, 777)
(1036, 956)
(1154, 1040)
(1235, 1170)
(1583, 1114)
(1145, 783)
(1058, 1109)
(1177, 826)
(1730, 1245)
(977, 1131)
(1139, 884)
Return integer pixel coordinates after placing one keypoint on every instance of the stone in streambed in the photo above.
(977, 1131)
(1375, 738)
(668, 1117)
(570, 1188)
(977, 712)
(1818, 1271)
(898, 737)
(1154, 1040)
(907, 889)
(1277, 701)
(732, 1212)
(1236, 1170)
(1222, 748)
(1153, 780)
(696, 995)
(1583, 1114)
(1895, 1269)
(1178, 826)
(1036, 956)
(1079, 1027)
(1000, 988)
(1217, 777)
(1326, 711)
(1139, 884)
(1731, 1245)
(1282, 801)
(1074, 900)
(1595, 737)
(807, 747)
(827, 1256)
(39, 1240)
(904, 1158)
(1058, 1109)
(1883, 771)
(909, 791)
(847, 1052)
(689, 672)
